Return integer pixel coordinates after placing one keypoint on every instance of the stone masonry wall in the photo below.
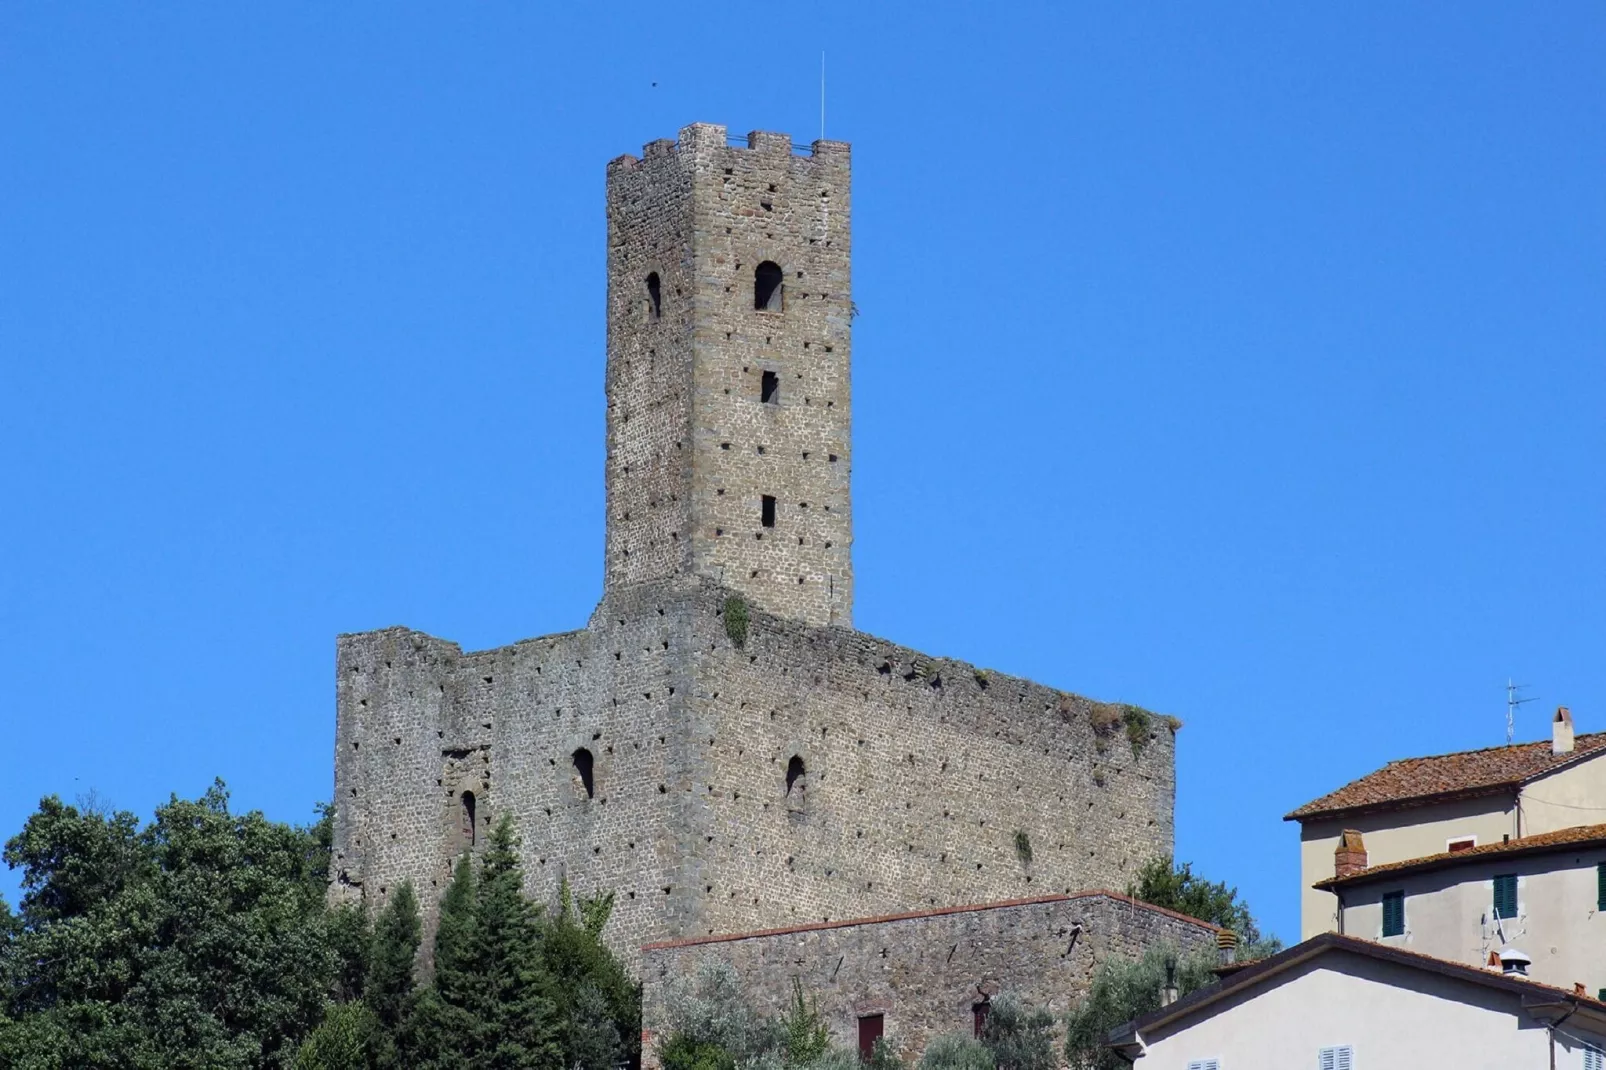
(925, 972)
(694, 443)
(924, 782)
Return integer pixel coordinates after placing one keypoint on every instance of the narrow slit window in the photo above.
(795, 772)
(655, 296)
(767, 287)
(767, 511)
(583, 768)
(769, 388)
(469, 828)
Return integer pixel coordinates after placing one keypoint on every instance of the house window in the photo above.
(1465, 843)
(1342, 1058)
(1600, 886)
(1393, 913)
(978, 1018)
(871, 1027)
(1592, 1058)
(1205, 1064)
(1505, 896)
(767, 287)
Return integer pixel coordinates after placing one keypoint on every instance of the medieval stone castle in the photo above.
(718, 746)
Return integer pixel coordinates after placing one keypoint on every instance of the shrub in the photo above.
(736, 620)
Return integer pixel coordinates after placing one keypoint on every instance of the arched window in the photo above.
(794, 773)
(767, 288)
(583, 767)
(655, 295)
(469, 828)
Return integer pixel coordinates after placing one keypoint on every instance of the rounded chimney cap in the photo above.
(1513, 960)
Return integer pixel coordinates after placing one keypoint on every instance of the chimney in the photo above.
(1227, 945)
(1513, 962)
(1168, 994)
(1561, 731)
(1349, 857)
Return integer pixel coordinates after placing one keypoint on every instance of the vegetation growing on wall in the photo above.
(736, 619)
(1023, 847)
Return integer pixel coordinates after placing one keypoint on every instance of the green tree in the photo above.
(1124, 989)
(1178, 888)
(1019, 1036)
(598, 1003)
(388, 987)
(197, 941)
(954, 1051)
(491, 1003)
(342, 1041)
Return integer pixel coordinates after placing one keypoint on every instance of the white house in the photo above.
(1338, 1003)
(1417, 807)
(1544, 894)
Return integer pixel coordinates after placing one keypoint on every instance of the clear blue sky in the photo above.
(1246, 364)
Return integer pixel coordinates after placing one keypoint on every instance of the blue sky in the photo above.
(1244, 362)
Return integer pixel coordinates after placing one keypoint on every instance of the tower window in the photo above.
(794, 772)
(767, 511)
(767, 286)
(769, 389)
(468, 818)
(655, 295)
(583, 767)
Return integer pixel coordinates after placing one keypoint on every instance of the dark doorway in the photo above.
(871, 1027)
(767, 511)
(583, 765)
(767, 287)
(769, 388)
(655, 295)
(468, 819)
(978, 1016)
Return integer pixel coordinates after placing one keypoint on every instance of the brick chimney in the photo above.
(1349, 857)
(1561, 731)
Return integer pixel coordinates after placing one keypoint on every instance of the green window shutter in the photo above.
(1505, 896)
(1600, 886)
(1393, 913)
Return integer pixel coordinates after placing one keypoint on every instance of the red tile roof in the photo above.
(1561, 839)
(1442, 777)
(846, 923)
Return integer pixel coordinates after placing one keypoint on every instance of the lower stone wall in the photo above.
(925, 972)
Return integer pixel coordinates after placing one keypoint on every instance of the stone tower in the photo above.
(728, 351)
(720, 778)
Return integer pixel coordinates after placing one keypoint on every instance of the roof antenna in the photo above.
(1512, 702)
(822, 94)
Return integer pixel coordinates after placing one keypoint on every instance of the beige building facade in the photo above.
(1333, 1002)
(1446, 905)
(1419, 807)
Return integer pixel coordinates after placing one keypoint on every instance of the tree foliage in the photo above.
(1178, 888)
(1124, 989)
(204, 940)
(199, 940)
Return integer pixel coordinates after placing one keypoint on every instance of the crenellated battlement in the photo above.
(709, 138)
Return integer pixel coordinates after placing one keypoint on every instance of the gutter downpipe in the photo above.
(1552, 1031)
(1339, 895)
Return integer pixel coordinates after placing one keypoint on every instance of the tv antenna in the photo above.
(822, 94)
(1512, 702)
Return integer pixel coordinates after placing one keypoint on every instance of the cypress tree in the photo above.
(516, 991)
(388, 987)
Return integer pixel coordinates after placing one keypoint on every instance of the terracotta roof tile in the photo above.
(1577, 836)
(1465, 774)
